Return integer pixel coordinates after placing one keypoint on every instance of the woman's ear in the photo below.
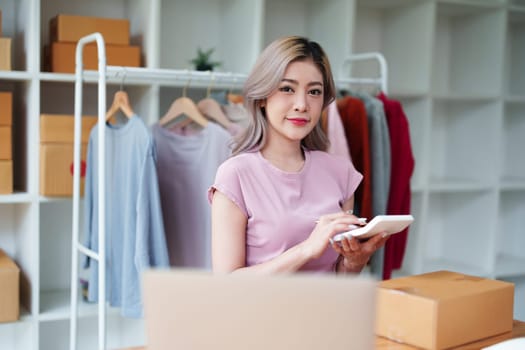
(262, 107)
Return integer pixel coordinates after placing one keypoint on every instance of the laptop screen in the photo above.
(187, 309)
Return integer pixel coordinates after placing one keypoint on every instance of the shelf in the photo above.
(459, 8)
(510, 266)
(473, 98)
(377, 28)
(463, 133)
(517, 100)
(328, 22)
(416, 188)
(453, 185)
(516, 5)
(454, 232)
(386, 4)
(412, 256)
(15, 75)
(122, 333)
(55, 305)
(509, 183)
(17, 335)
(43, 199)
(418, 112)
(14, 198)
(511, 226)
(453, 265)
(399, 94)
(468, 33)
(515, 54)
(229, 29)
(512, 142)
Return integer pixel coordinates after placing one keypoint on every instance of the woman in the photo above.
(280, 198)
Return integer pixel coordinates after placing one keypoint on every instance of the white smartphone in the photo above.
(381, 223)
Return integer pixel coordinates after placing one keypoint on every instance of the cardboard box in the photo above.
(9, 289)
(56, 169)
(5, 53)
(6, 177)
(6, 109)
(62, 57)
(443, 309)
(6, 152)
(60, 128)
(70, 28)
(56, 153)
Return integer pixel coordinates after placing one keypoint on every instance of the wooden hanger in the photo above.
(212, 109)
(183, 106)
(232, 97)
(120, 102)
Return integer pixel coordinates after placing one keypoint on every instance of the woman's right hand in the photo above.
(328, 226)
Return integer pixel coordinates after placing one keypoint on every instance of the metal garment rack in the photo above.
(164, 77)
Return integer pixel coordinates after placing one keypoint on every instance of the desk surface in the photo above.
(518, 330)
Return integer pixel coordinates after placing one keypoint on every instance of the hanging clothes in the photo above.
(379, 151)
(379, 148)
(134, 229)
(186, 168)
(402, 169)
(355, 123)
(335, 131)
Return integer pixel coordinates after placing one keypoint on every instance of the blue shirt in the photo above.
(133, 218)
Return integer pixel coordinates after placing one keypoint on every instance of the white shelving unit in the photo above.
(457, 66)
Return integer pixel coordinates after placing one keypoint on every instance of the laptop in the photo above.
(187, 309)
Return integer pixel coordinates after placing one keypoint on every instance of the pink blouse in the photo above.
(282, 207)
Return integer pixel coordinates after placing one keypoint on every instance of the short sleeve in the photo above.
(228, 182)
(354, 178)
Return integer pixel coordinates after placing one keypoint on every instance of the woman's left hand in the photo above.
(354, 255)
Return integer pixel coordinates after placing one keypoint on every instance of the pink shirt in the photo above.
(282, 207)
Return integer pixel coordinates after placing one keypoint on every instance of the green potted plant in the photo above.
(203, 62)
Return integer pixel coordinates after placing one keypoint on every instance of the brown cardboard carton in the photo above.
(56, 153)
(62, 57)
(60, 128)
(70, 28)
(6, 152)
(9, 289)
(6, 176)
(5, 53)
(56, 169)
(443, 309)
(6, 108)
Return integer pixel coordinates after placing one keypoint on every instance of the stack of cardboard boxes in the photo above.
(56, 153)
(66, 30)
(6, 152)
(5, 49)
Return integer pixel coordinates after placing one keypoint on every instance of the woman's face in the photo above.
(294, 108)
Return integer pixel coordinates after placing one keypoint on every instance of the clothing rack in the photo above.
(162, 77)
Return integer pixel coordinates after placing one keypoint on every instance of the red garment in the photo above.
(402, 161)
(355, 122)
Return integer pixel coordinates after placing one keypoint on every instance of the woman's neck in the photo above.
(289, 158)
